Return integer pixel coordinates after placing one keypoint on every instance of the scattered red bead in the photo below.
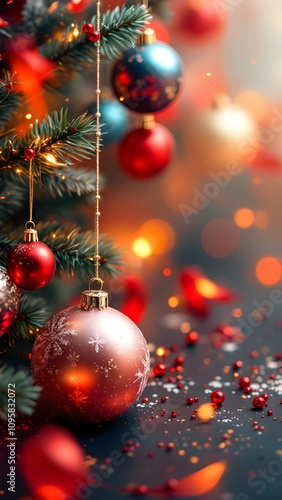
(226, 436)
(179, 360)
(255, 423)
(265, 397)
(237, 365)
(170, 380)
(29, 154)
(170, 446)
(87, 28)
(244, 382)
(179, 386)
(189, 401)
(258, 402)
(94, 36)
(192, 417)
(160, 370)
(150, 454)
(262, 428)
(179, 377)
(192, 338)
(145, 400)
(248, 389)
(272, 377)
(196, 400)
(160, 444)
(173, 414)
(163, 400)
(163, 413)
(217, 397)
(270, 412)
(254, 354)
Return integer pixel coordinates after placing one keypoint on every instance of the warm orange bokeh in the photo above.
(159, 234)
(244, 218)
(268, 271)
(206, 412)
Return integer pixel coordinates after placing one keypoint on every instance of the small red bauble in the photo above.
(87, 28)
(29, 154)
(192, 338)
(258, 402)
(248, 389)
(143, 154)
(160, 369)
(217, 397)
(94, 36)
(265, 397)
(31, 265)
(59, 465)
(237, 364)
(179, 360)
(189, 401)
(244, 382)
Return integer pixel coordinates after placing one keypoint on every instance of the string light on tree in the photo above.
(95, 356)
(31, 264)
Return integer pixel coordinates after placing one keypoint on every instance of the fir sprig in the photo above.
(32, 315)
(57, 142)
(119, 30)
(25, 391)
(73, 249)
(10, 101)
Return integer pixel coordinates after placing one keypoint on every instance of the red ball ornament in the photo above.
(198, 21)
(160, 370)
(217, 397)
(92, 364)
(31, 264)
(53, 464)
(87, 28)
(29, 154)
(192, 338)
(244, 382)
(94, 36)
(144, 153)
(259, 402)
(248, 389)
(9, 301)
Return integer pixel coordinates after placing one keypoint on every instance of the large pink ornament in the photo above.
(92, 364)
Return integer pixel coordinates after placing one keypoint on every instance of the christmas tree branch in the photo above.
(26, 393)
(73, 249)
(57, 142)
(32, 315)
(119, 29)
(10, 101)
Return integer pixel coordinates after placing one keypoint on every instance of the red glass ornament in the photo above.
(31, 265)
(198, 21)
(217, 397)
(9, 301)
(258, 402)
(160, 370)
(96, 360)
(87, 28)
(237, 365)
(53, 463)
(248, 389)
(265, 397)
(192, 338)
(189, 401)
(29, 154)
(244, 382)
(94, 36)
(143, 154)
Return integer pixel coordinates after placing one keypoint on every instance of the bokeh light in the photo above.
(220, 238)
(173, 302)
(158, 234)
(206, 412)
(244, 218)
(261, 219)
(268, 271)
(142, 248)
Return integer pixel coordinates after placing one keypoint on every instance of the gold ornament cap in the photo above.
(147, 122)
(30, 234)
(148, 36)
(94, 299)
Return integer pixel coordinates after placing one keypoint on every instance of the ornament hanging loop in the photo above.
(99, 280)
(30, 234)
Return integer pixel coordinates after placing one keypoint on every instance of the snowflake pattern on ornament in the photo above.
(57, 335)
(97, 341)
(73, 358)
(78, 398)
(142, 375)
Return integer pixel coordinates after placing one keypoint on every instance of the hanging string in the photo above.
(98, 135)
(30, 178)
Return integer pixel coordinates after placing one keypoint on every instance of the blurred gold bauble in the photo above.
(221, 135)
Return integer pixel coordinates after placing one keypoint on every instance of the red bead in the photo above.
(141, 490)
(258, 402)
(29, 154)
(237, 365)
(270, 412)
(143, 154)
(150, 454)
(189, 401)
(217, 397)
(160, 444)
(173, 414)
(172, 484)
(170, 380)
(244, 382)
(255, 423)
(196, 400)
(163, 413)
(87, 28)
(170, 446)
(160, 370)
(179, 360)
(254, 354)
(179, 377)
(226, 436)
(192, 417)
(272, 377)
(265, 397)
(31, 265)
(192, 338)
(145, 400)
(248, 389)
(94, 36)
(163, 400)
(179, 386)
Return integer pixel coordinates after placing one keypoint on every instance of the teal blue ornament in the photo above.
(115, 119)
(148, 77)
